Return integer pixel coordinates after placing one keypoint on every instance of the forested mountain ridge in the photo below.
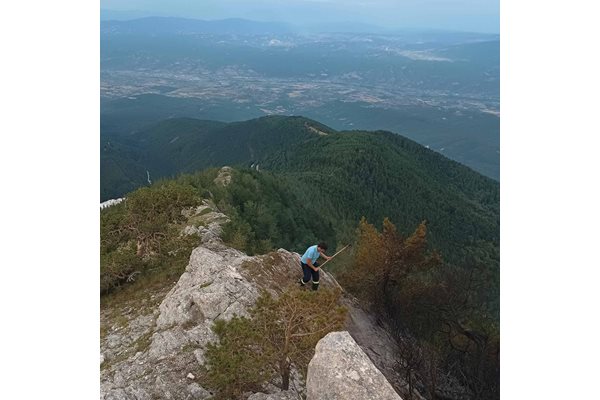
(380, 174)
(186, 145)
(343, 175)
(180, 145)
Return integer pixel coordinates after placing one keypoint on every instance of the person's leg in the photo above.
(306, 274)
(315, 277)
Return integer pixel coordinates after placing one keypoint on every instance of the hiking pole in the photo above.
(330, 275)
(345, 247)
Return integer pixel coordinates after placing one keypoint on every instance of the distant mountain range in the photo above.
(139, 22)
(172, 25)
(440, 89)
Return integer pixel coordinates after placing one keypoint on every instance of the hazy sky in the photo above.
(463, 15)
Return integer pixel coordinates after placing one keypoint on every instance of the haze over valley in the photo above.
(440, 89)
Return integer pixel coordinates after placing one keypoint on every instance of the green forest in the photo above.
(343, 175)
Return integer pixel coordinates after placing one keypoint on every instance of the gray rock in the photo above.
(190, 230)
(224, 177)
(204, 221)
(113, 341)
(127, 394)
(341, 370)
(150, 352)
(167, 343)
(197, 392)
(116, 394)
(212, 233)
(284, 395)
(210, 288)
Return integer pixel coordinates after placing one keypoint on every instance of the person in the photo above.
(310, 266)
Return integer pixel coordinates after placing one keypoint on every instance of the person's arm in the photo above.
(325, 256)
(310, 264)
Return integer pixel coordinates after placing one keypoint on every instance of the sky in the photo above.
(459, 15)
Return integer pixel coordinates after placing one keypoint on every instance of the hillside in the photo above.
(350, 175)
(187, 145)
(146, 241)
(155, 340)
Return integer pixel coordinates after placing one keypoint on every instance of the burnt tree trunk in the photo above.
(284, 370)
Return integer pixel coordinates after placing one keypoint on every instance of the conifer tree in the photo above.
(280, 333)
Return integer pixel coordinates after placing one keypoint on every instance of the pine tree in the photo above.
(280, 333)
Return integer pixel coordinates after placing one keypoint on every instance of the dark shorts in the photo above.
(309, 273)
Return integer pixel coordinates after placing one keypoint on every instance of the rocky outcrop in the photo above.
(285, 395)
(217, 283)
(224, 176)
(341, 370)
(373, 337)
(211, 287)
(204, 221)
(154, 348)
(158, 352)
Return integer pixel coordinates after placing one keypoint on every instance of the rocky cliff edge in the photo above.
(155, 351)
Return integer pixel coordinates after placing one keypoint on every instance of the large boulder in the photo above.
(211, 288)
(341, 370)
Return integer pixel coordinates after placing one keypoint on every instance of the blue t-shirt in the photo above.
(311, 253)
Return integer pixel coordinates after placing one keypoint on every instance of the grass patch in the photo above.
(205, 211)
(272, 269)
(136, 294)
(205, 284)
(200, 218)
(103, 331)
(143, 342)
(190, 347)
(121, 321)
(140, 292)
(250, 265)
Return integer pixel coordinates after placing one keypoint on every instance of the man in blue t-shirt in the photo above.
(309, 264)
